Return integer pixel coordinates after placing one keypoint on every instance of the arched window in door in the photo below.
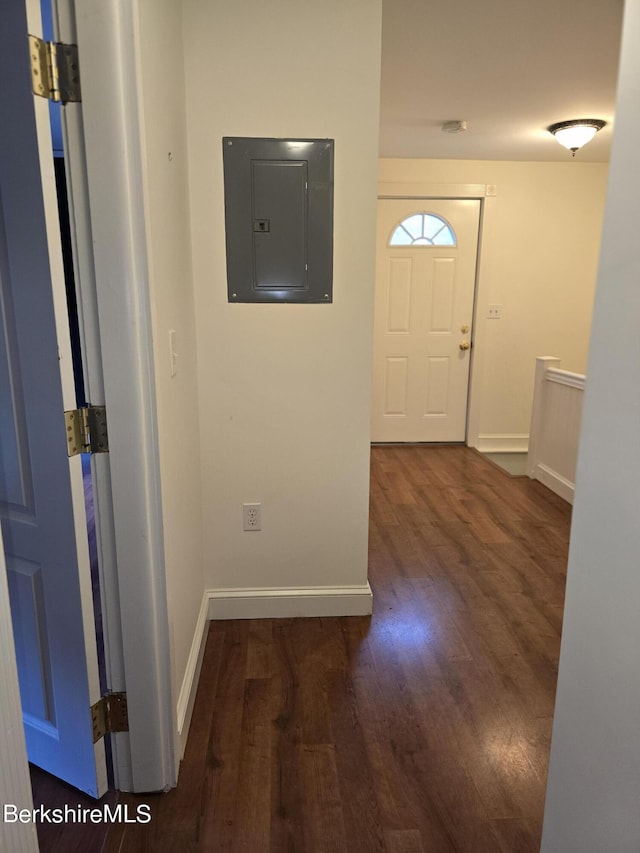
(423, 229)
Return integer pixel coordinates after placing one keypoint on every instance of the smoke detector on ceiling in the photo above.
(454, 126)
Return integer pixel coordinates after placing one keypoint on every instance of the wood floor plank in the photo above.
(260, 662)
(357, 783)
(404, 841)
(251, 819)
(287, 823)
(321, 804)
(517, 836)
(423, 729)
(51, 793)
(222, 774)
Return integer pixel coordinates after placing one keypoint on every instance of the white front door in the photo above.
(41, 491)
(425, 281)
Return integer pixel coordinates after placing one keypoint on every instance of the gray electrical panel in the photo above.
(278, 197)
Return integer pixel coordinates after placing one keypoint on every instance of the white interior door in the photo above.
(425, 281)
(41, 493)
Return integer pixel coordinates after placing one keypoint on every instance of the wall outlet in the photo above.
(251, 517)
(494, 312)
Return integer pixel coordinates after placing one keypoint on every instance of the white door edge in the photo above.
(421, 190)
(89, 328)
(121, 346)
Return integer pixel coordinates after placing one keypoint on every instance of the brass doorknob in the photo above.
(464, 345)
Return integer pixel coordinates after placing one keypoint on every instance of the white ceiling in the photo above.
(509, 68)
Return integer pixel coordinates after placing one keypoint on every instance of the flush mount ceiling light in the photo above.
(576, 133)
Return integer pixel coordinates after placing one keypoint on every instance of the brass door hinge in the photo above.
(55, 73)
(87, 430)
(109, 714)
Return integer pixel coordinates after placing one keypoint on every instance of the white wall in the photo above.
(540, 248)
(593, 795)
(285, 389)
(165, 176)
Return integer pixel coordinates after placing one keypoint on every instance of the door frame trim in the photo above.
(486, 194)
(106, 162)
(89, 330)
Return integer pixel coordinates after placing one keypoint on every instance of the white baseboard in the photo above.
(261, 603)
(187, 696)
(282, 603)
(503, 443)
(554, 481)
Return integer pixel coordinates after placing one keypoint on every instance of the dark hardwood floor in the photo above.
(70, 837)
(422, 729)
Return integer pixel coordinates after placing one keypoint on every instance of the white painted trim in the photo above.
(89, 327)
(107, 39)
(187, 696)
(565, 377)
(282, 603)
(487, 252)
(415, 189)
(543, 365)
(503, 443)
(554, 481)
(535, 469)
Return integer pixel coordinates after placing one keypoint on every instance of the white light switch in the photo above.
(494, 312)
